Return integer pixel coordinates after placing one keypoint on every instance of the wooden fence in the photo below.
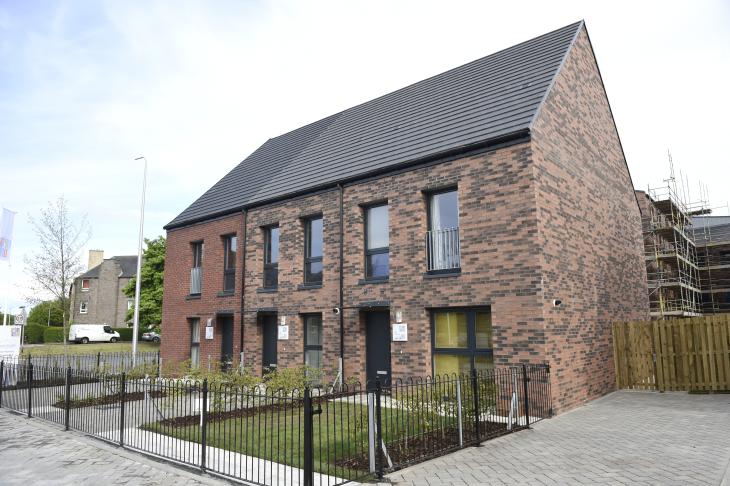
(677, 354)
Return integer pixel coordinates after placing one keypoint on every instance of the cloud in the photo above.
(85, 87)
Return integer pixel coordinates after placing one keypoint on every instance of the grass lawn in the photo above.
(340, 435)
(57, 348)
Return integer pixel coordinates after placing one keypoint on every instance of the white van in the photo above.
(84, 333)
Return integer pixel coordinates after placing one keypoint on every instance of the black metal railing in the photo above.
(114, 362)
(278, 437)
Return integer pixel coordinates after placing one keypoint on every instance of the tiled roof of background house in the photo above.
(128, 264)
(485, 100)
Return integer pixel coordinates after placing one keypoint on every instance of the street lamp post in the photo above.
(135, 328)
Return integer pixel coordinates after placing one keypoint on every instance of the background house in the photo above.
(484, 216)
(97, 295)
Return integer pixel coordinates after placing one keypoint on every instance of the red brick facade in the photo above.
(551, 217)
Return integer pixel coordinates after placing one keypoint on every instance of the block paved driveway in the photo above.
(627, 437)
(33, 452)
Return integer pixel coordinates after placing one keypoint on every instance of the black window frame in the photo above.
(312, 347)
(230, 241)
(308, 258)
(471, 349)
(194, 343)
(271, 269)
(429, 220)
(369, 252)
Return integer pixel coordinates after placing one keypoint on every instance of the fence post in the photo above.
(525, 379)
(30, 387)
(308, 439)
(98, 360)
(67, 399)
(378, 428)
(122, 396)
(475, 393)
(159, 370)
(204, 425)
(458, 411)
(2, 380)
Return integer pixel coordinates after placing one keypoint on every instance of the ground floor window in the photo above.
(461, 340)
(313, 340)
(194, 343)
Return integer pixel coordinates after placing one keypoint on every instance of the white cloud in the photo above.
(195, 87)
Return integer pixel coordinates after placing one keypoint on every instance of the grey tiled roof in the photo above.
(128, 264)
(493, 97)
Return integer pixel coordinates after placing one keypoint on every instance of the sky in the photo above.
(88, 86)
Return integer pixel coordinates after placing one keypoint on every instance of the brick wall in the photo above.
(499, 266)
(554, 217)
(589, 230)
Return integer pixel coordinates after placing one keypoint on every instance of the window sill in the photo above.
(267, 290)
(368, 281)
(309, 286)
(192, 297)
(226, 293)
(442, 274)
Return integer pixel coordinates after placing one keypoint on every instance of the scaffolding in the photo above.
(687, 252)
(713, 259)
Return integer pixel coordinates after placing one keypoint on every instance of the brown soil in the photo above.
(415, 449)
(108, 399)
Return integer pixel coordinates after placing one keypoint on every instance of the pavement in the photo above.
(34, 452)
(628, 437)
(625, 438)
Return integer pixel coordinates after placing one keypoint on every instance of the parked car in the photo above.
(151, 336)
(85, 333)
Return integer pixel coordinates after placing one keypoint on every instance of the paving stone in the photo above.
(33, 452)
(625, 438)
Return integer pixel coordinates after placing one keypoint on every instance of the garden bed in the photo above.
(424, 446)
(60, 381)
(108, 399)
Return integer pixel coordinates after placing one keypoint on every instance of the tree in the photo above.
(58, 261)
(48, 311)
(150, 295)
(11, 319)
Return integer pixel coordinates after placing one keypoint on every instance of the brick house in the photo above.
(484, 216)
(97, 295)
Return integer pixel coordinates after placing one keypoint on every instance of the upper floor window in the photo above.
(84, 308)
(196, 271)
(442, 239)
(271, 257)
(313, 246)
(230, 244)
(377, 242)
(85, 285)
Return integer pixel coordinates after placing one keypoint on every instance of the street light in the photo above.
(135, 328)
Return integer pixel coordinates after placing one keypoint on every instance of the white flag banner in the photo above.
(6, 233)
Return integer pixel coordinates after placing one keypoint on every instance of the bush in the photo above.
(53, 335)
(125, 333)
(34, 334)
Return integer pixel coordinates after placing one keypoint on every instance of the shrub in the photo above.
(34, 334)
(125, 333)
(53, 335)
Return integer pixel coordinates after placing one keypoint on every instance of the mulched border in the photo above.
(108, 399)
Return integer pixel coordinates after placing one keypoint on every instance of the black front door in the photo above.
(270, 336)
(377, 345)
(226, 323)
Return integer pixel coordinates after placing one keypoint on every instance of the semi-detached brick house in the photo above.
(460, 209)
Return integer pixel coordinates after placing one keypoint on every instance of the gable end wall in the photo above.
(589, 230)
